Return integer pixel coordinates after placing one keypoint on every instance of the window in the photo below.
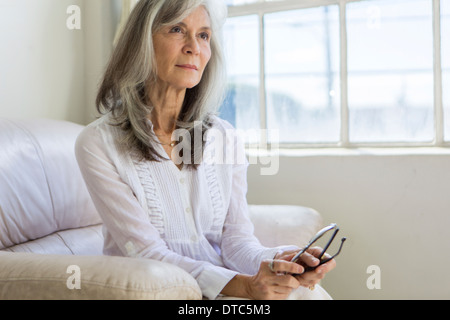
(445, 21)
(340, 72)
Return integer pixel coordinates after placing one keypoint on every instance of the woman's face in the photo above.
(183, 50)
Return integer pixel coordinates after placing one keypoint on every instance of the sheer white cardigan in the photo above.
(196, 219)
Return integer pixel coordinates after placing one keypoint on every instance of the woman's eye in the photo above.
(204, 36)
(175, 30)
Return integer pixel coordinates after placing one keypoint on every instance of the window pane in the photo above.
(390, 68)
(241, 106)
(302, 74)
(445, 27)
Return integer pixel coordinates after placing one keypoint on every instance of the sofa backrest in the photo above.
(41, 188)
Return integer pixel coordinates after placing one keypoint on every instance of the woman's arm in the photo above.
(242, 251)
(240, 248)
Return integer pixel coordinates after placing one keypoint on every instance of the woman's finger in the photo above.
(282, 266)
(315, 251)
(308, 259)
(284, 289)
(326, 267)
(273, 280)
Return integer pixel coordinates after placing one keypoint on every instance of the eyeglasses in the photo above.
(319, 235)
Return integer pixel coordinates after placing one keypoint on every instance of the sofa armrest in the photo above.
(277, 225)
(63, 277)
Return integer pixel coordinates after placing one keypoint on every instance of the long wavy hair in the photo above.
(123, 90)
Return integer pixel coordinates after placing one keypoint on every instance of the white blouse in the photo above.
(196, 219)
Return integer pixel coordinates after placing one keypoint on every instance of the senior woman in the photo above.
(144, 166)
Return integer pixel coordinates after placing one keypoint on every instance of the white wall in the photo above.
(101, 19)
(394, 207)
(47, 70)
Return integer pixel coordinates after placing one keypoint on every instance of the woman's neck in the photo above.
(167, 103)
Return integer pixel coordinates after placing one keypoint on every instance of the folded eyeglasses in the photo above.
(319, 235)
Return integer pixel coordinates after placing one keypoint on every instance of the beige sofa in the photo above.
(51, 235)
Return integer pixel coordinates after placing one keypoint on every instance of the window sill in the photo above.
(366, 151)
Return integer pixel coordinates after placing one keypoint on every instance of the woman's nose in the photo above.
(192, 46)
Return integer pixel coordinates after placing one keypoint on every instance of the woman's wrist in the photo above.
(239, 287)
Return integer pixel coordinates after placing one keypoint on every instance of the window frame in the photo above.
(261, 8)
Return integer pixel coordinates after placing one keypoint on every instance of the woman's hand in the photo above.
(274, 280)
(309, 259)
(277, 278)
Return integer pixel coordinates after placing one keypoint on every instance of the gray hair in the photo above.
(123, 90)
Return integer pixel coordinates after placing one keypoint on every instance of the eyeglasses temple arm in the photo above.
(334, 256)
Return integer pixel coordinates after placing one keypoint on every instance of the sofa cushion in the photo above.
(31, 276)
(80, 241)
(41, 188)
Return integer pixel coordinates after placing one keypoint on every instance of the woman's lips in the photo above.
(187, 66)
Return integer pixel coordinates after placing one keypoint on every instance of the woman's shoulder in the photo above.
(103, 124)
(95, 132)
(88, 137)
